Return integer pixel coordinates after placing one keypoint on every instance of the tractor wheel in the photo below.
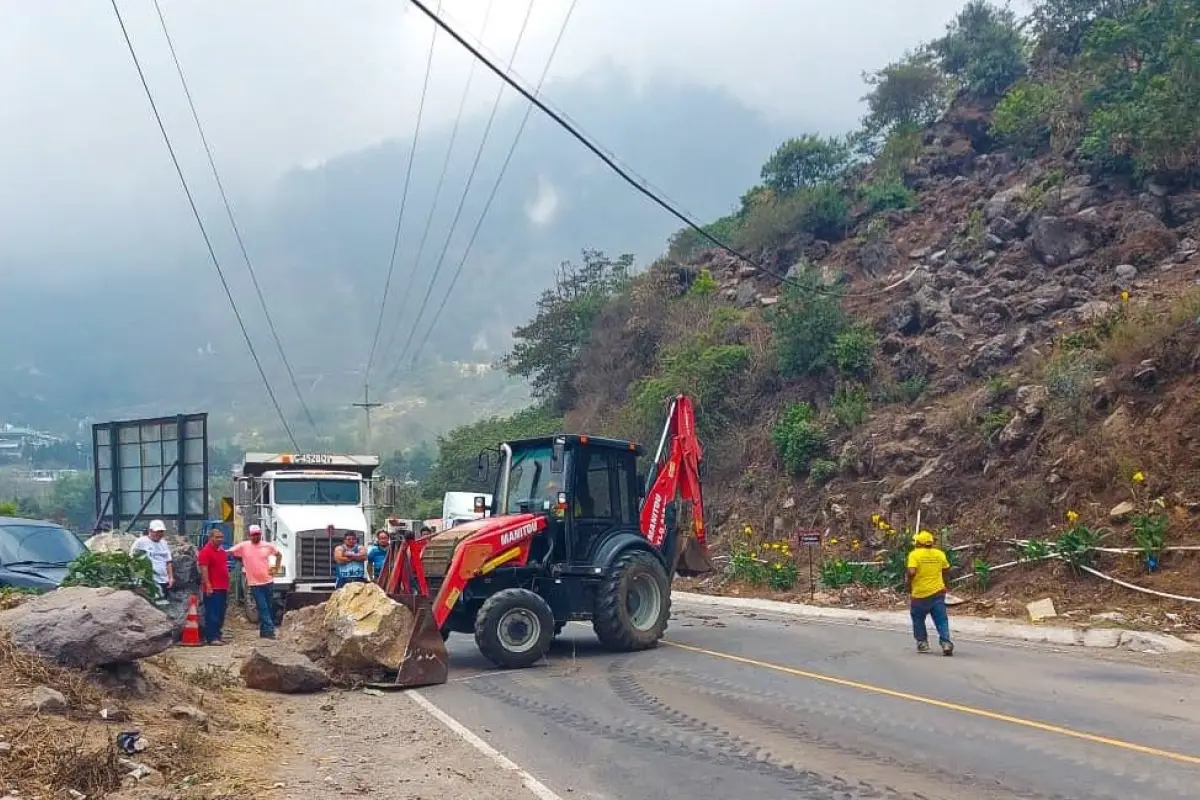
(633, 604)
(514, 628)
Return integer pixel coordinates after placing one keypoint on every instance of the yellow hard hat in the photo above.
(924, 537)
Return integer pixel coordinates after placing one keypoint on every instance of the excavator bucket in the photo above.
(426, 661)
(694, 558)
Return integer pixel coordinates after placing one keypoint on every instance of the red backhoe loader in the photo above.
(574, 535)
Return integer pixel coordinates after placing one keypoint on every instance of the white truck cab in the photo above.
(460, 507)
(305, 505)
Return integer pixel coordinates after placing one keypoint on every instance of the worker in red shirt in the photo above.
(214, 582)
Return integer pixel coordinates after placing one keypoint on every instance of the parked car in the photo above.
(34, 554)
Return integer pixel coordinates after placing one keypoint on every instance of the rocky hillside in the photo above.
(982, 308)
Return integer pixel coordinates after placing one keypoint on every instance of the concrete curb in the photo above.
(1110, 638)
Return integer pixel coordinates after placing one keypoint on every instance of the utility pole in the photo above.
(366, 405)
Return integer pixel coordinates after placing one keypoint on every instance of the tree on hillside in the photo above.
(1061, 25)
(805, 162)
(73, 502)
(983, 48)
(906, 92)
(458, 450)
(547, 347)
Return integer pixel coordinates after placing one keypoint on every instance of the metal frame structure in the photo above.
(156, 466)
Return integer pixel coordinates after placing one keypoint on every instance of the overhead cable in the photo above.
(233, 223)
(200, 223)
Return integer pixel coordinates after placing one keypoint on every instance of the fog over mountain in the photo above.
(109, 304)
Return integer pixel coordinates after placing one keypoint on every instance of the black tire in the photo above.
(633, 603)
(514, 628)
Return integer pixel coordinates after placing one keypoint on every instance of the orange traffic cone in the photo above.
(191, 625)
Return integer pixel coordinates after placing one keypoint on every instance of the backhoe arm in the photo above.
(677, 476)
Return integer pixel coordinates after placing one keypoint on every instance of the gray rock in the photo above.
(190, 713)
(45, 700)
(83, 627)
(279, 670)
(1126, 272)
(746, 294)
(1004, 203)
(1058, 240)
(1032, 400)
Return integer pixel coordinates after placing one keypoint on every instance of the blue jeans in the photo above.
(266, 617)
(935, 607)
(343, 580)
(214, 614)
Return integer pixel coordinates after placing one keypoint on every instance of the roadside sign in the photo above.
(808, 538)
(226, 509)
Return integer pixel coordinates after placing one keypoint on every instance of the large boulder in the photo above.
(366, 629)
(1058, 240)
(359, 631)
(84, 627)
(281, 670)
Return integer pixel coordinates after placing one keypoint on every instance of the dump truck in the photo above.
(574, 534)
(305, 504)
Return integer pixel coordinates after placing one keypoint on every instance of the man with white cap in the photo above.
(151, 545)
(256, 557)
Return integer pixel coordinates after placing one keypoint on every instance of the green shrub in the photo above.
(704, 285)
(889, 195)
(849, 406)
(854, 351)
(906, 391)
(806, 325)
(901, 148)
(687, 242)
(825, 213)
(1022, 117)
(821, 471)
(704, 372)
(799, 437)
(116, 570)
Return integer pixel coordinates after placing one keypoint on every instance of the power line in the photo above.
(233, 223)
(462, 103)
(212, 254)
(466, 191)
(495, 186)
(412, 151)
(624, 173)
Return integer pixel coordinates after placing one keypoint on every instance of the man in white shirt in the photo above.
(151, 545)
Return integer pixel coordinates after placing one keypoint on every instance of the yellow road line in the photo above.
(962, 709)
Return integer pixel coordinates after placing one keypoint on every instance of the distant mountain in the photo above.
(321, 238)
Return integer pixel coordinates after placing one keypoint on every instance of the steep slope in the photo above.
(992, 326)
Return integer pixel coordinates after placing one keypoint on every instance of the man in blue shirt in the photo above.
(349, 559)
(377, 554)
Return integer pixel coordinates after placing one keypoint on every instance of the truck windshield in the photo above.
(530, 481)
(317, 492)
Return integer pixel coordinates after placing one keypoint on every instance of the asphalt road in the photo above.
(737, 705)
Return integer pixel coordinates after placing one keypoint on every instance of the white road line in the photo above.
(539, 789)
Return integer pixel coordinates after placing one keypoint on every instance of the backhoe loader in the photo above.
(573, 534)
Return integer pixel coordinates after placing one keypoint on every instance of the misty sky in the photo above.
(280, 83)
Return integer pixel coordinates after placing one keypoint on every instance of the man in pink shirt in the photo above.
(256, 556)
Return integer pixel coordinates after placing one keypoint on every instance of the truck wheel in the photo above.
(514, 628)
(633, 603)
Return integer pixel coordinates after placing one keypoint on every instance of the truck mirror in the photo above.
(241, 492)
(481, 467)
(480, 504)
(389, 494)
(557, 454)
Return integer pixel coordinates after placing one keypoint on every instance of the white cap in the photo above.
(157, 525)
(254, 529)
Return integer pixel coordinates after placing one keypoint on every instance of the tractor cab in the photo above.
(587, 487)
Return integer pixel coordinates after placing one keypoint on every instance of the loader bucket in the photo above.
(694, 559)
(426, 661)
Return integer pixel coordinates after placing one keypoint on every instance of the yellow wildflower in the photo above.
(1124, 297)
(1138, 477)
(876, 519)
(833, 541)
(754, 555)
(855, 544)
(1072, 516)
(748, 530)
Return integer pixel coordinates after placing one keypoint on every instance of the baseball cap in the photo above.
(157, 525)
(254, 529)
(924, 537)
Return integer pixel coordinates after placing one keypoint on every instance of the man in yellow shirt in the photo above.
(927, 567)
